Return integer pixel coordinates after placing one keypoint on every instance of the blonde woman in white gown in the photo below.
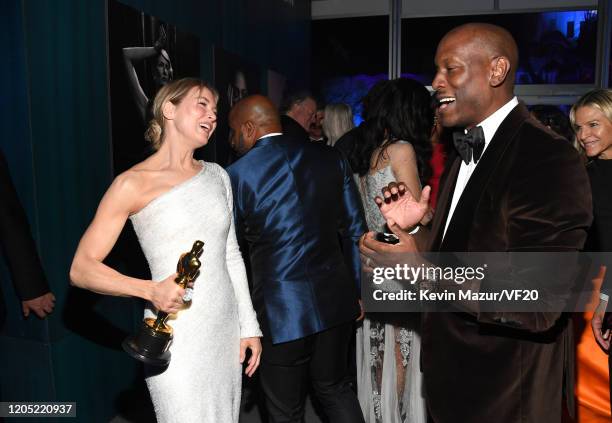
(173, 200)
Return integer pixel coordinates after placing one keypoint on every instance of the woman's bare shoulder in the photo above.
(131, 186)
(401, 149)
(139, 176)
(131, 181)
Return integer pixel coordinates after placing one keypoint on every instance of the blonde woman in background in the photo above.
(591, 119)
(173, 200)
(337, 122)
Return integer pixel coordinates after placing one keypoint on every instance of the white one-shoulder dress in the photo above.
(203, 381)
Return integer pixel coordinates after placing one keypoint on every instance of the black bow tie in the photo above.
(470, 145)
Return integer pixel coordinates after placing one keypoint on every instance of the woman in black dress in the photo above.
(591, 118)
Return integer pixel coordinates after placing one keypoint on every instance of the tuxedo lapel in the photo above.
(460, 225)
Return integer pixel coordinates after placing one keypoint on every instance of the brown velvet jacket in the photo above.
(529, 192)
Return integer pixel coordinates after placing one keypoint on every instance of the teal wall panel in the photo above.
(15, 142)
(69, 127)
(94, 376)
(30, 376)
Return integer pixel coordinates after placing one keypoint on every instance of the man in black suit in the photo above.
(516, 187)
(20, 251)
(298, 110)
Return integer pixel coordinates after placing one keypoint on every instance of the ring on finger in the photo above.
(188, 295)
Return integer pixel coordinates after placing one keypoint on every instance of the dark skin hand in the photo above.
(402, 212)
(399, 207)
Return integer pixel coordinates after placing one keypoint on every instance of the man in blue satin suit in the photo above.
(292, 200)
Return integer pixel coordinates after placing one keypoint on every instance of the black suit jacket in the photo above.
(17, 243)
(529, 192)
(600, 234)
(347, 142)
(294, 130)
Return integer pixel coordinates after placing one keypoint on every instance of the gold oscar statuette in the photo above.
(152, 342)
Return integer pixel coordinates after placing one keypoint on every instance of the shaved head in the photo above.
(489, 40)
(250, 119)
(476, 64)
(258, 109)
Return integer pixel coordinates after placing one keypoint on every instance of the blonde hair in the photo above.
(600, 99)
(337, 122)
(174, 92)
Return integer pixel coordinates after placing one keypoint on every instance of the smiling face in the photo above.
(475, 66)
(594, 132)
(462, 81)
(195, 117)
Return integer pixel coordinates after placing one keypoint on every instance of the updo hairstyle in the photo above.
(173, 92)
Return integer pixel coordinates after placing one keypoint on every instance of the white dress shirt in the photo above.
(489, 127)
(271, 134)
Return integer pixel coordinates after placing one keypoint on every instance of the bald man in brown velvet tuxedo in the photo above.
(520, 188)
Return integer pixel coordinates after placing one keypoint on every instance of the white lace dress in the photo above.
(388, 345)
(203, 381)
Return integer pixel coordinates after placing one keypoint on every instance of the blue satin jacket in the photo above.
(298, 211)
